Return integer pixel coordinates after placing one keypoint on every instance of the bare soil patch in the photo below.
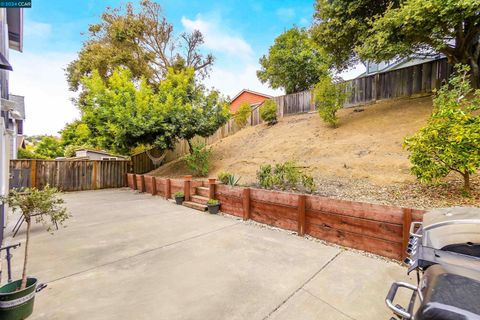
(363, 159)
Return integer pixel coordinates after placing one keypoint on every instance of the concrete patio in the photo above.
(134, 256)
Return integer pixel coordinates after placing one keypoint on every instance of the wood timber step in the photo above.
(194, 205)
(202, 191)
(199, 199)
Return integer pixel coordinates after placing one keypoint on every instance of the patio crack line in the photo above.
(331, 306)
(303, 285)
(142, 253)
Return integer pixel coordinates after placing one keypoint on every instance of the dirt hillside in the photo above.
(364, 152)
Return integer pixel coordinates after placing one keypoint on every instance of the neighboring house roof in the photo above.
(398, 64)
(252, 92)
(19, 104)
(102, 152)
(248, 96)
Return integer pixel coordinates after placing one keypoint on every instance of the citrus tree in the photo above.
(268, 112)
(450, 142)
(329, 97)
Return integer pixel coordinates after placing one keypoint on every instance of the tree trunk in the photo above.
(475, 73)
(466, 183)
(25, 258)
(190, 147)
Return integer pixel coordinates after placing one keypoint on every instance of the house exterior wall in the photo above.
(92, 155)
(246, 96)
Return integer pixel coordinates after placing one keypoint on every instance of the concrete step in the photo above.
(202, 191)
(194, 205)
(199, 199)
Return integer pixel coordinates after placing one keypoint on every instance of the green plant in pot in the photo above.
(213, 206)
(41, 206)
(179, 197)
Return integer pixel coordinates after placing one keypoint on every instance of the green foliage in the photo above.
(121, 115)
(28, 154)
(268, 112)
(294, 62)
(49, 147)
(198, 161)
(224, 176)
(308, 183)
(77, 133)
(329, 97)
(142, 41)
(451, 139)
(242, 114)
(383, 30)
(179, 194)
(233, 180)
(283, 176)
(213, 202)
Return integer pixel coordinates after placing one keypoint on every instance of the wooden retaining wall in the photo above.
(68, 175)
(375, 228)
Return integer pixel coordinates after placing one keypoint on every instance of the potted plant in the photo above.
(43, 206)
(179, 197)
(213, 206)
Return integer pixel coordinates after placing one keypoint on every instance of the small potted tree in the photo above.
(213, 206)
(42, 206)
(179, 197)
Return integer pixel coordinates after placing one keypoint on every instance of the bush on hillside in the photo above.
(198, 161)
(450, 142)
(329, 98)
(241, 117)
(284, 176)
(268, 112)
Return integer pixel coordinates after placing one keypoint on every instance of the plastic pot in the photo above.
(17, 305)
(213, 208)
(179, 200)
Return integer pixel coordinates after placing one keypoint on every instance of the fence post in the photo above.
(211, 188)
(186, 187)
(134, 177)
(94, 175)
(407, 220)
(301, 214)
(168, 190)
(33, 174)
(246, 203)
(154, 186)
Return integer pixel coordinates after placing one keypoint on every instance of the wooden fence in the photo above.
(380, 229)
(68, 175)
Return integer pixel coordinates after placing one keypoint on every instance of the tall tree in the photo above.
(382, 30)
(293, 63)
(142, 41)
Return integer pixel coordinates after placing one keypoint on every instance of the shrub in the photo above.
(329, 97)
(233, 180)
(212, 202)
(308, 183)
(450, 142)
(268, 112)
(224, 176)
(241, 117)
(198, 161)
(282, 176)
(179, 194)
(27, 154)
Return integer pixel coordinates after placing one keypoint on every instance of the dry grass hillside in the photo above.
(361, 159)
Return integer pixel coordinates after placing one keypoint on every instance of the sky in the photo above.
(237, 33)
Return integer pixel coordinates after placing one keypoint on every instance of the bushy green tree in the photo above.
(268, 112)
(330, 97)
(198, 161)
(294, 62)
(49, 147)
(190, 109)
(242, 114)
(28, 154)
(450, 142)
(76, 133)
(386, 29)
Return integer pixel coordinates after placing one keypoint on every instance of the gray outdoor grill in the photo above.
(444, 251)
